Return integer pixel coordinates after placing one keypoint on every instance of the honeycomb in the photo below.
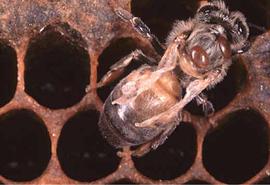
(52, 54)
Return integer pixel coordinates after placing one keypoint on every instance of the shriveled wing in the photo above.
(136, 86)
(193, 90)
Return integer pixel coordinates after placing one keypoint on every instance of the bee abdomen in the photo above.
(117, 122)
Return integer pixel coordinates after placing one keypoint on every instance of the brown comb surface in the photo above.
(53, 52)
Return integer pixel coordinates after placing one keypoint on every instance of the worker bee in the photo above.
(147, 105)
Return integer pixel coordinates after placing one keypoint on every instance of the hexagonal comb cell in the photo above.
(25, 145)
(8, 72)
(83, 153)
(238, 149)
(57, 67)
(171, 159)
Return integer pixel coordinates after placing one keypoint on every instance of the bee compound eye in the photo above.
(224, 46)
(199, 56)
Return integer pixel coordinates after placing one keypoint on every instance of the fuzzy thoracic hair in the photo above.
(212, 13)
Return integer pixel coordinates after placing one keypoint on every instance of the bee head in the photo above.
(211, 38)
(234, 23)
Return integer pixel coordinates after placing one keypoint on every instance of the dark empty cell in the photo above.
(238, 148)
(256, 12)
(112, 54)
(25, 146)
(224, 92)
(83, 154)
(196, 182)
(8, 73)
(160, 15)
(57, 69)
(123, 181)
(171, 159)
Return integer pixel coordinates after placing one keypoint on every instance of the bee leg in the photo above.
(193, 90)
(207, 106)
(142, 150)
(162, 138)
(118, 68)
(145, 148)
(141, 28)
